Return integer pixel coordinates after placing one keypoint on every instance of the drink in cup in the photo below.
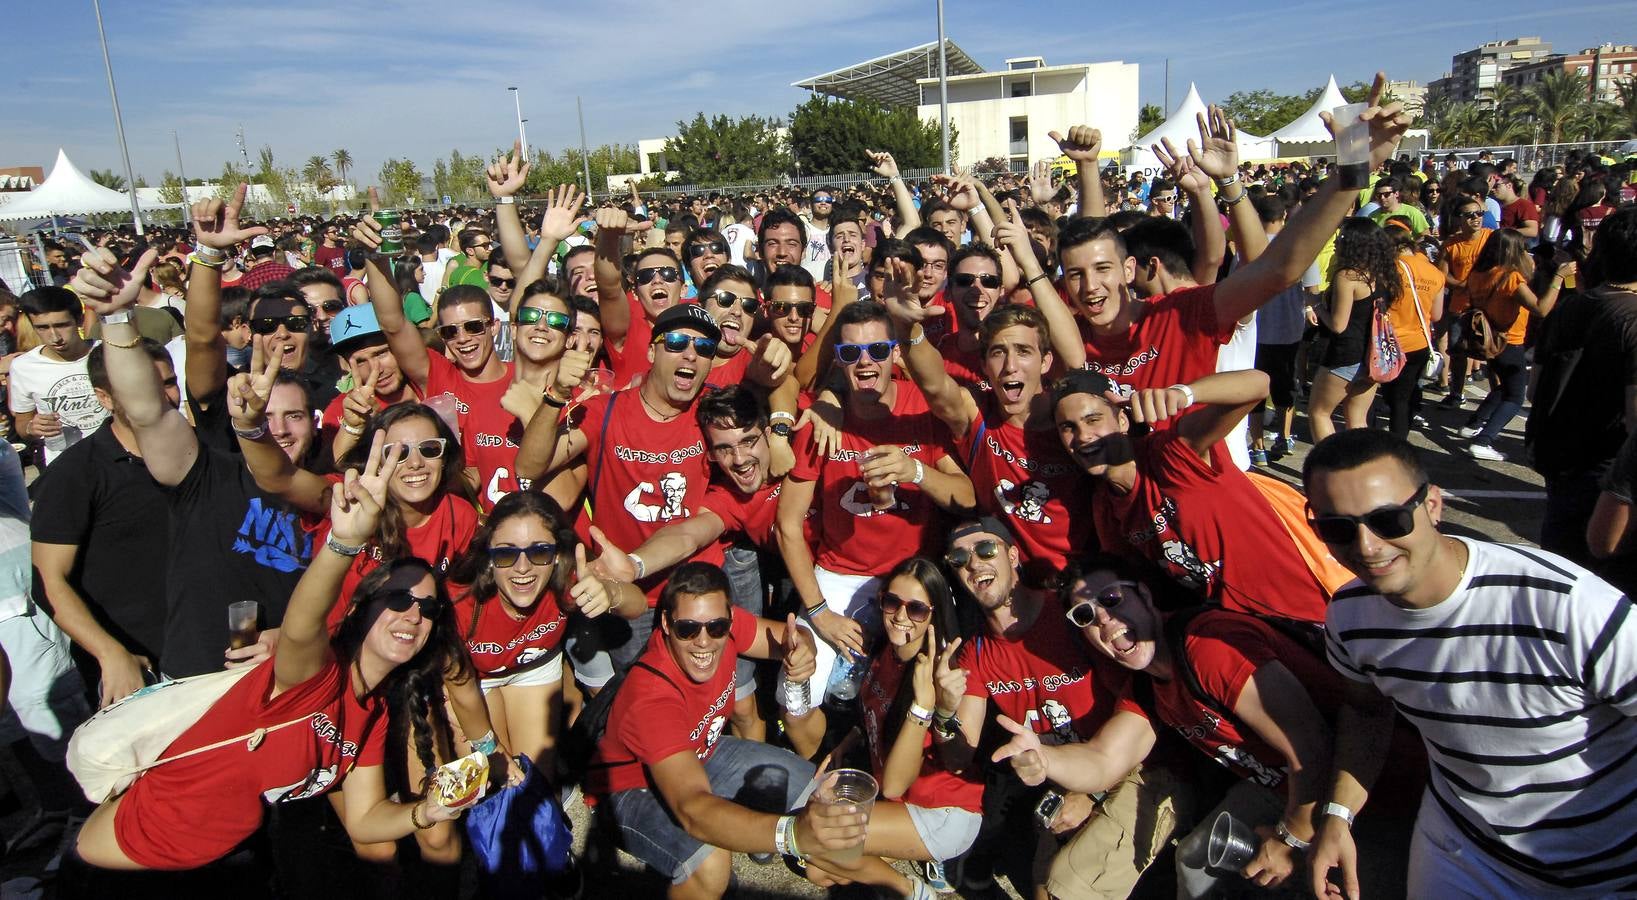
(241, 624)
(884, 497)
(1352, 145)
(853, 787)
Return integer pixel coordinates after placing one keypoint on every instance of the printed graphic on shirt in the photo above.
(317, 782)
(711, 724)
(672, 489)
(73, 400)
(273, 537)
(1057, 717)
(1026, 501)
(1188, 568)
(857, 500)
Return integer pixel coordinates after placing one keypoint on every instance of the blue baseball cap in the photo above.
(352, 326)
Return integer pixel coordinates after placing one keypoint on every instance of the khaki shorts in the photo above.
(1124, 834)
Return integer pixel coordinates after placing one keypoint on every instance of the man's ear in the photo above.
(1435, 504)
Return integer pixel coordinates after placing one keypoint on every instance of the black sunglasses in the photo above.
(960, 556)
(531, 315)
(778, 309)
(401, 599)
(878, 350)
(270, 324)
(502, 282)
(1474, 214)
(1084, 613)
(967, 279)
(726, 299)
(688, 629)
(332, 306)
(703, 247)
(663, 273)
(543, 554)
(677, 341)
(918, 611)
(470, 326)
(1388, 522)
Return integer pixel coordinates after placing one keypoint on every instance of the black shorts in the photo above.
(1279, 362)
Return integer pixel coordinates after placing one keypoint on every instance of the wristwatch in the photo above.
(122, 317)
(782, 429)
(946, 728)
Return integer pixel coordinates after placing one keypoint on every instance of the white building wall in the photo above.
(1102, 95)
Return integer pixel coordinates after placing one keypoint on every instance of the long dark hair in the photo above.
(944, 619)
(473, 567)
(1505, 248)
(391, 538)
(1364, 248)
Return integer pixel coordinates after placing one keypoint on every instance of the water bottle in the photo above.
(845, 676)
(798, 696)
(59, 442)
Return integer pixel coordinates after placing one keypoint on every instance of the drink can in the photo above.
(392, 232)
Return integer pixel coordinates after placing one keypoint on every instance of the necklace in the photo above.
(655, 410)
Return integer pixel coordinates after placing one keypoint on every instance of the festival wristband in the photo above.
(506, 201)
(920, 713)
(342, 549)
(781, 839)
(1340, 812)
(1187, 393)
(486, 744)
(638, 564)
(1291, 841)
(920, 472)
(251, 434)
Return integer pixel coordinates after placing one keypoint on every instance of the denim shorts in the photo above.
(947, 831)
(1345, 373)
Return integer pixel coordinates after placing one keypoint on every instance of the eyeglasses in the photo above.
(726, 299)
(677, 341)
(663, 273)
(1388, 522)
(270, 324)
(879, 351)
(543, 554)
(431, 448)
(483, 246)
(960, 556)
(401, 599)
(778, 309)
(967, 279)
(1084, 613)
(719, 248)
(1386, 193)
(470, 326)
(688, 629)
(531, 315)
(502, 282)
(918, 611)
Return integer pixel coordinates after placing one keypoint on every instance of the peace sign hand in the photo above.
(359, 403)
(247, 393)
(1181, 167)
(1023, 750)
(356, 504)
(951, 680)
(926, 661)
(216, 224)
(882, 163)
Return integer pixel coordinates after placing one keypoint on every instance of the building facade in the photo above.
(1474, 73)
(1604, 69)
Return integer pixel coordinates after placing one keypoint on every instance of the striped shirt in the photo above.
(1523, 684)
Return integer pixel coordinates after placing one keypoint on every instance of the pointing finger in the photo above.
(374, 200)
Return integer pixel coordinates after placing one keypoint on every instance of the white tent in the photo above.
(1181, 126)
(1305, 135)
(65, 192)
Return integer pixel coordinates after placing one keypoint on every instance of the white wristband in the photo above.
(1340, 812)
(1187, 392)
(920, 472)
(506, 200)
(636, 563)
(1291, 841)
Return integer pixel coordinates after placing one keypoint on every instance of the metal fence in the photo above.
(1530, 157)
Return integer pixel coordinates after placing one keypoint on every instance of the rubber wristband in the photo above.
(1291, 841)
(1340, 812)
(342, 549)
(251, 434)
(1187, 392)
(354, 430)
(920, 473)
(552, 401)
(781, 416)
(1031, 281)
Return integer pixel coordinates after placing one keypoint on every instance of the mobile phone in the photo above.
(1046, 810)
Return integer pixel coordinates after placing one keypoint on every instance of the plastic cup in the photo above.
(1352, 145)
(241, 624)
(847, 786)
(447, 408)
(1232, 846)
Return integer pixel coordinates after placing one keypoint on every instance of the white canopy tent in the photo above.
(65, 192)
(1306, 135)
(1182, 126)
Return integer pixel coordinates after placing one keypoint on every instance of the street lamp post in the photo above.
(182, 174)
(943, 86)
(585, 155)
(522, 133)
(119, 124)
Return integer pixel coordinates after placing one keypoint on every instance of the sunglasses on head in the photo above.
(543, 554)
(401, 599)
(688, 629)
(726, 299)
(431, 448)
(878, 350)
(1388, 522)
(677, 341)
(533, 315)
(502, 282)
(778, 309)
(719, 248)
(1084, 613)
(666, 274)
(270, 324)
(917, 610)
(984, 549)
(470, 326)
(332, 306)
(967, 279)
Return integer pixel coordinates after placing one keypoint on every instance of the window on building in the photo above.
(1583, 70)
(1020, 88)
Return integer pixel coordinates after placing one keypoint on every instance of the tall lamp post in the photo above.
(943, 86)
(585, 155)
(522, 134)
(182, 174)
(119, 124)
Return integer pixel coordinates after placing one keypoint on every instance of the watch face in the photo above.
(782, 429)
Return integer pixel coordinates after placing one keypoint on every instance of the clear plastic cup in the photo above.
(447, 408)
(242, 617)
(1352, 145)
(1232, 846)
(847, 786)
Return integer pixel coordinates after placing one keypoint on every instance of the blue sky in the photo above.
(307, 76)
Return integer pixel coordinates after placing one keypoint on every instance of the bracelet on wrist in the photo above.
(209, 255)
(816, 608)
(781, 839)
(638, 564)
(1187, 393)
(198, 261)
(552, 400)
(1291, 841)
(919, 713)
(251, 434)
(1031, 281)
(135, 341)
(920, 472)
(354, 430)
(342, 549)
(486, 744)
(1338, 811)
(506, 200)
(781, 416)
(415, 818)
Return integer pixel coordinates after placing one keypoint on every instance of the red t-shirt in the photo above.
(1519, 211)
(1047, 678)
(1174, 340)
(1187, 515)
(500, 644)
(967, 368)
(939, 327)
(936, 786)
(855, 538)
(755, 516)
(332, 258)
(644, 474)
(1026, 479)
(186, 813)
(630, 360)
(730, 370)
(435, 542)
(657, 716)
(488, 433)
(1225, 650)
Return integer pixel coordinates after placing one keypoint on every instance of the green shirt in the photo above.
(1418, 219)
(415, 308)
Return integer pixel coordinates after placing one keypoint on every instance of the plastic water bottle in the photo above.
(798, 696)
(57, 443)
(845, 676)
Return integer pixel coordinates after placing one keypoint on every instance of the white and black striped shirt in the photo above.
(1523, 685)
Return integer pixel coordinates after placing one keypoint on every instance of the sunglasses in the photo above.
(538, 554)
(470, 326)
(483, 246)
(726, 299)
(533, 315)
(331, 306)
(778, 309)
(960, 556)
(401, 599)
(431, 448)
(677, 341)
(1084, 613)
(717, 247)
(666, 274)
(270, 324)
(1388, 522)
(502, 282)
(967, 279)
(1475, 214)
(918, 611)
(688, 629)
(824, 200)
(1166, 198)
(878, 350)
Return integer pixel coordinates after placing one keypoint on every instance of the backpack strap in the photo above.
(1176, 635)
(981, 429)
(602, 450)
(251, 740)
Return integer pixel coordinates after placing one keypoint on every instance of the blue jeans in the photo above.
(744, 570)
(1504, 402)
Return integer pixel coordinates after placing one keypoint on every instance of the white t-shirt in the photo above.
(818, 249)
(63, 386)
(740, 237)
(1237, 354)
(432, 274)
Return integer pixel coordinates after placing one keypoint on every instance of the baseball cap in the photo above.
(687, 315)
(351, 326)
(261, 242)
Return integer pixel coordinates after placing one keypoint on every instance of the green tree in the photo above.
(1559, 102)
(1263, 111)
(724, 151)
(141, 180)
(829, 136)
(170, 189)
(1625, 108)
(343, 162)
(1149, 117)
(108, 178)
(401, 182)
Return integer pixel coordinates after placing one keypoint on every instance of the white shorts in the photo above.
(848, 595)
(947, 831)
(549, 672)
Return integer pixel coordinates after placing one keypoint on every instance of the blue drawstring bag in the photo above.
(522, 841)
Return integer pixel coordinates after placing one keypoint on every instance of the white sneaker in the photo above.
(1484, 451)
(1469, 431)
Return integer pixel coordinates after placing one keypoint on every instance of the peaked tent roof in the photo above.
(1308, 128)
(66, 191)
(1181, 126)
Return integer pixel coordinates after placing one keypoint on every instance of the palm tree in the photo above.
(343, 162)
(108, 178)
(1626, 107)
(1560, 101)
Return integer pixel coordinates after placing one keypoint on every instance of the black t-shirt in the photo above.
(1587, 357)
(210, 421)
(100, 498)
(229, 541)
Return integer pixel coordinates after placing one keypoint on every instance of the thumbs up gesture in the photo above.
(590, 594)
(800, 656)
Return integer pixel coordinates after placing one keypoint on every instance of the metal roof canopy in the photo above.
(891, 79)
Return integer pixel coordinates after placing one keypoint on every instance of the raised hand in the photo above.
(612, 220)
(1022, 751)
(951, 680)
(562, 214)
(923, 683)
(356, 503)
(961, 191)
(882, 163)
(216, 224)
(1012, 234)
(572, 367)
(247, 392)
(1083, 144)
(366, 230)
(507, 174)
(611, 561)
(800, 653)
(1217, 153)
(521, 399)
(898, 294)
(1041, 188)
(590, 595)
(1180, 167)
(359, 403)
(1156, 404)
(106, 288)
(1386, 124)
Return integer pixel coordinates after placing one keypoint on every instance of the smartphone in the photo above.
(1046, 811)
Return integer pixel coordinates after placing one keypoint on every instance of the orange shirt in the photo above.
(1495, 292)
(1429, 282)
(1459, 255)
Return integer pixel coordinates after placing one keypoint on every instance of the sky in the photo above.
(309, 76)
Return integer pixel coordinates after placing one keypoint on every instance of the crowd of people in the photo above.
(686, 504)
